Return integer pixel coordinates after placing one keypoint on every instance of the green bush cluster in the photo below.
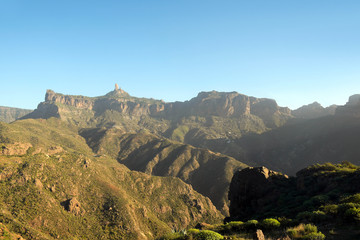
(193, 234)
(305, 232)
(270, 224)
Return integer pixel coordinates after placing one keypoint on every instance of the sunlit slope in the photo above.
(53, 187)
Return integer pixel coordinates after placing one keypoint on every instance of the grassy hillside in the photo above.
(53, 187)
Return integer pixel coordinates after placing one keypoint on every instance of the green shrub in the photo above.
(234, 226)
(285, 222)
(313, 236)
(251, 224)
(352, 199)
(331, 209)
(309, 228)
(306, 232)
(208, 235)
(270, 223)
(174, 236)
(193, 231)
(353, 214)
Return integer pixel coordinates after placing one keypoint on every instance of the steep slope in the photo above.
(208, 172)
(9, 114)
(53, 187)
(295, 146)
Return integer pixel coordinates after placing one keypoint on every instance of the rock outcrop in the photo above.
(252, 189)
(17, 148)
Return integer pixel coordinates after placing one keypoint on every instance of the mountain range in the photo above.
(108, 158)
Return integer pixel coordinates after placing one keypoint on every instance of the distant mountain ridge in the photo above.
(10, 114)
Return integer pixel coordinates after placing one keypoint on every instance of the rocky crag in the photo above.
(257, 193)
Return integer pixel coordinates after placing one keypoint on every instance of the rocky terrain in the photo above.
(9, 114)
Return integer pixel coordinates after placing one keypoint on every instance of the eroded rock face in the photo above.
(73, 205)
(222, 104)
(76, 101)
(251, 189)
(229, 104)
(16, 148)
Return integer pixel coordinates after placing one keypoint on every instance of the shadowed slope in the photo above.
(208, 172)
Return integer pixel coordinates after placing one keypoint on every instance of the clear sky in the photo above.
(294, 51)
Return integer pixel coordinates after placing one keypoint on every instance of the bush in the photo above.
(270, 224)
(309, 228)
(306, 232)
(353, 213)
(193, 231)
(352, 199)
(174, 236)
(331, 209)
(234, 226)
(251, 224)
(313, 236)
(208, 235)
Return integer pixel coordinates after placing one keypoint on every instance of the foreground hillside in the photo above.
(53, 187)
(321, 202)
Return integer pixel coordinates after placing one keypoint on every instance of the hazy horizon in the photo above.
(295, 52)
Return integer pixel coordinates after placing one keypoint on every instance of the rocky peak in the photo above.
(118, 92)
(351, 108)
(354, 100)
(313, 110)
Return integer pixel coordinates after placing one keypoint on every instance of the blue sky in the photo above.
(294, 51)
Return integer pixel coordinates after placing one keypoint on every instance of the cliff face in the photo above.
(231, 105)
(217, 104)
(252, 189)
